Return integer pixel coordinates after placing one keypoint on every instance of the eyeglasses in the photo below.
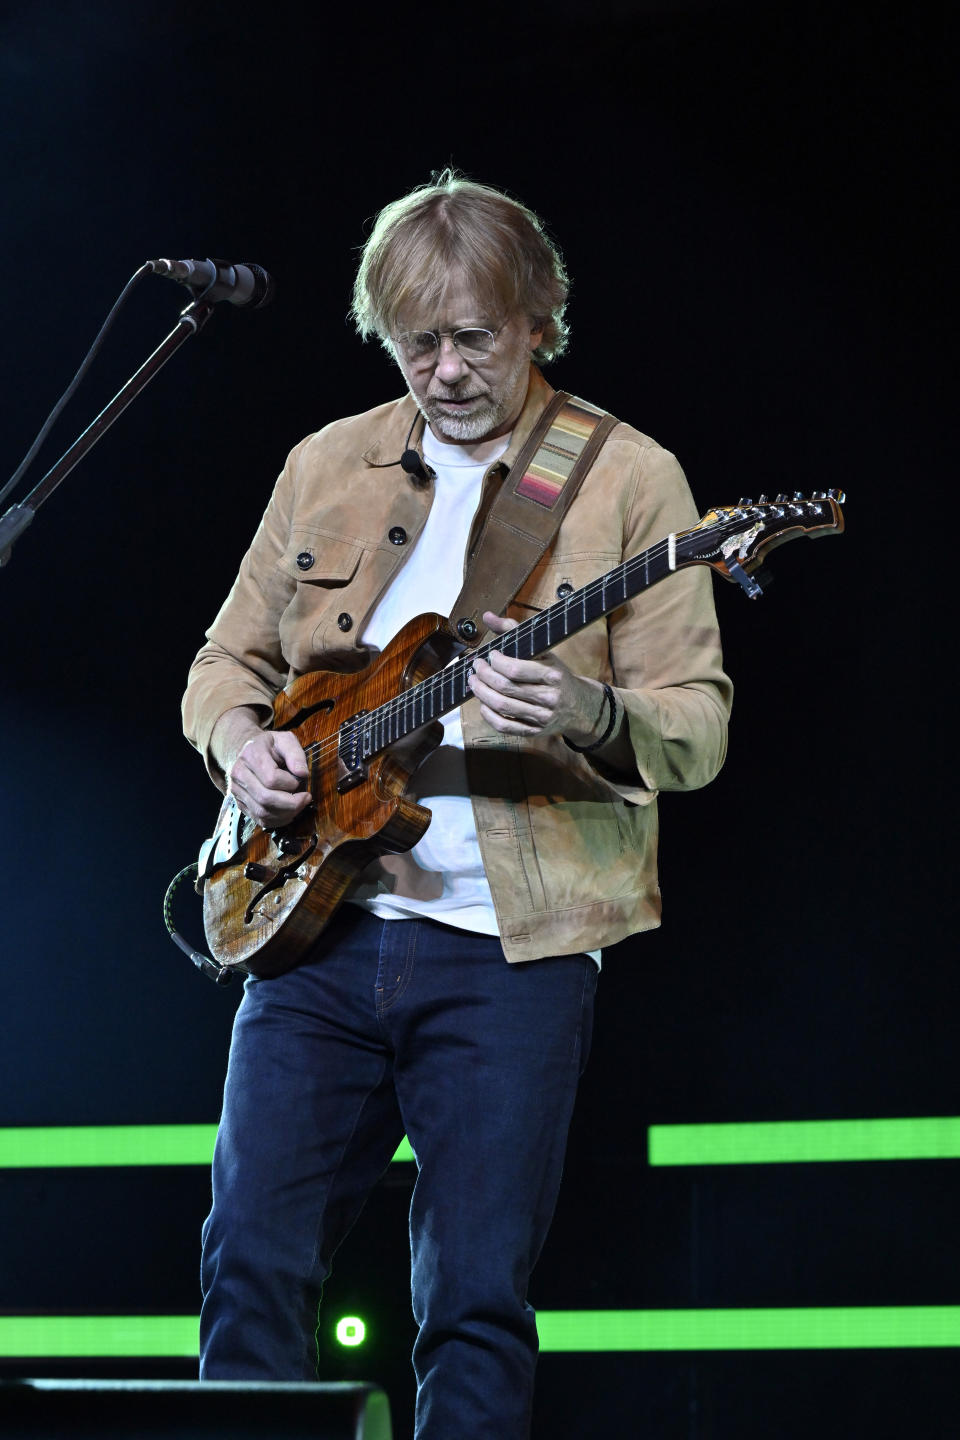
(421, 347)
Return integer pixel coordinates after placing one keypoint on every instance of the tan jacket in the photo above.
(569, 848)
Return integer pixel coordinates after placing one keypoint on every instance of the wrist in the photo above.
(235, 729)
(604, 725)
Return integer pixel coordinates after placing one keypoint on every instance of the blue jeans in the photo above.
(394, 1026)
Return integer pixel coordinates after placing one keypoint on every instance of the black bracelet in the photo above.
(608, 699)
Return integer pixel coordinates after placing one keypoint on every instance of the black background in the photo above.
(749, 201)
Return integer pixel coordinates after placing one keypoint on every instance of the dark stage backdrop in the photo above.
(748, 198)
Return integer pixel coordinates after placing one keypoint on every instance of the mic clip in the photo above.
(412, 465)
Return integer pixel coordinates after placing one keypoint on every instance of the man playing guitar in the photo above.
(450, 995)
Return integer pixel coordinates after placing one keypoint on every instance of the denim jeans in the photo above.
(393, 1026)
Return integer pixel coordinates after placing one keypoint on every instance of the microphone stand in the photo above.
(18, 517)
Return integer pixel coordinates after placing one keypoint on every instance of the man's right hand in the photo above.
(266, 770)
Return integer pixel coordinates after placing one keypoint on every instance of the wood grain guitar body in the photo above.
(268, 895)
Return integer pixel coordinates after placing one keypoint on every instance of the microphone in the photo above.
(243, 285)
(412, 465)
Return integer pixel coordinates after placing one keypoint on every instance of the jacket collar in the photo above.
(392, 439)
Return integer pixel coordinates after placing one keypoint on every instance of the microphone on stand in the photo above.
(243, 285)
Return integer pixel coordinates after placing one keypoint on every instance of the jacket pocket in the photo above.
(322, 568)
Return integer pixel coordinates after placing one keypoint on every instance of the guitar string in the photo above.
(428, 687)
(320, 750)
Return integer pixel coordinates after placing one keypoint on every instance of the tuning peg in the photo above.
(743, 503)
(837, 495)
(763, 500)
(819, 495)
(780, 499)
(798, 495)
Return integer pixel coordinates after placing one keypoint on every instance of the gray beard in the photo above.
(492, 412)
(465, 427)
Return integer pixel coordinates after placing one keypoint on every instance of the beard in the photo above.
(490, 409)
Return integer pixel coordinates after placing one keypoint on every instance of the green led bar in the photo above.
(800, 1141)
(58, 1146)
(762, 1143)
(70, 1337)
(822, 1328)
(561, 1331)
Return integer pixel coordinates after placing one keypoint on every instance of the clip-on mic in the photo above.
(411, 464)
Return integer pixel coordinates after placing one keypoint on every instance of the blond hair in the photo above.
(458, 230)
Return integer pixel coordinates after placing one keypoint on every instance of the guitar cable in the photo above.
(219, 974)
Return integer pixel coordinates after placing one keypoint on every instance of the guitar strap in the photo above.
(529, 508)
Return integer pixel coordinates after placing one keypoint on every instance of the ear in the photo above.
(536, 335)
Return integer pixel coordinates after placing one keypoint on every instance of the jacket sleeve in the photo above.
(242, 662)
(664, 646)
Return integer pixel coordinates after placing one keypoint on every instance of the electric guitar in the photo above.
(268, 895)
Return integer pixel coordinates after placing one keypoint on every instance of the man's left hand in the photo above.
(535, 697)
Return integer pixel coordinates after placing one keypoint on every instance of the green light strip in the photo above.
(561, 1331)
(56, 1337)
(801, 1141)
(764, 1143)
(833, 1328)
(57, 1146)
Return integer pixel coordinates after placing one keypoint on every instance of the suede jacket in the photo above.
(569, 847)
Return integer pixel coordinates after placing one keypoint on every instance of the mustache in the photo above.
(455, 394)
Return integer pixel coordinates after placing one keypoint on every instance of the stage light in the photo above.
(351, 1330)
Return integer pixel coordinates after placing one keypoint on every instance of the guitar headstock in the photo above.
(734, 539)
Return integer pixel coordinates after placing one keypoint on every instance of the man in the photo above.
(451, 996)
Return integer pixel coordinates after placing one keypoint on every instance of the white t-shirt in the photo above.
(430, 580)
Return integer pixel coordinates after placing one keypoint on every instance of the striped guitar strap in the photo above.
(527, 512)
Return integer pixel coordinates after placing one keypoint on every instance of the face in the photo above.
(477, 399)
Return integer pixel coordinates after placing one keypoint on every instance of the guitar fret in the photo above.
(444, 691)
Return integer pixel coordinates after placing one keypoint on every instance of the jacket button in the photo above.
(397, 536)
(304, 560)
(345, 621)
(564, 590)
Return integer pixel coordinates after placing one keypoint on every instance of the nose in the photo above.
(450, 365)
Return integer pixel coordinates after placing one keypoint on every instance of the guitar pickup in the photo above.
(351, 769)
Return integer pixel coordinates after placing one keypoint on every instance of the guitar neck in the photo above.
(436, 696)
(730, 539)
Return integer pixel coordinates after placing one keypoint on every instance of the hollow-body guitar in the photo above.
(268, 895)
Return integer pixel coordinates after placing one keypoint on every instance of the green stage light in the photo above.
(857, 1327)
(45, 1147)
(760, 1143)
(804, 1141)
(351, 1331)
(71, 1337)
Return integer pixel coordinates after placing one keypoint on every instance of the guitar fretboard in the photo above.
(447, 689)
(745, 530)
